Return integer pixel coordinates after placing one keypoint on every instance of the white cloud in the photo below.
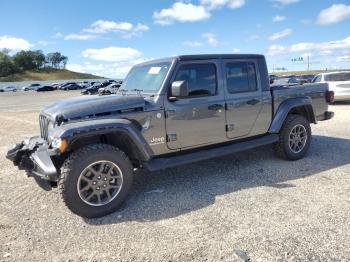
(345, 58)
(334, 14)
(285, 2)
(276, 49)
(79, 37)
(281, 34)
(136, 31)
(211, 39)
(114, 62)
(326, 47)
(103, 26)
(112, 70)
(181, 12)
(99, 27)
(57, 35)
(112, 54)
(214, 4)
(279, 18)
(326, 52)
(193, 44)
(45, 43)
(14, 43)
(236, 50)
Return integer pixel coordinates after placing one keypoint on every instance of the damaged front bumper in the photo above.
(34, 156)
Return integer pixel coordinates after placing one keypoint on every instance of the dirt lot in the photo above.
(250, 205)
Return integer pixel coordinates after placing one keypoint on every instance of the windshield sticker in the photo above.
(154, 70)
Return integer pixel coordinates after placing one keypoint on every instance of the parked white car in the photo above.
(339, 83)
(8, 89)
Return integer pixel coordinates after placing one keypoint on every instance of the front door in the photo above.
(198, 119)
(243, 97)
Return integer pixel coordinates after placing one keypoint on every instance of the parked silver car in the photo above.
(8, 89)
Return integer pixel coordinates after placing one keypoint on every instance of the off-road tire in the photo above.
(77, 162)
(282, 147)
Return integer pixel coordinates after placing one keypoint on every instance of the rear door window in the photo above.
(241, 77)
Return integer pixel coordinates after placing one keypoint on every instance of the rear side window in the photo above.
(201, 79)
(337, 77)
(241, 77)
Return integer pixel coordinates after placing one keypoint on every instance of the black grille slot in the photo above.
(44, 127)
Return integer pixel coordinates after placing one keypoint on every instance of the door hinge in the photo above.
(171, 137)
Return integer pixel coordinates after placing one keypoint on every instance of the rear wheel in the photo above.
(294, 138)
(95, 180)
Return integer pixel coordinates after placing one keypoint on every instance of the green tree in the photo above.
(38, 58)
(54, 59)
(64, 60)
(28, 60)
(7, 66)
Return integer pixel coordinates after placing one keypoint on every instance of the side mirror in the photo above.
(179, 89)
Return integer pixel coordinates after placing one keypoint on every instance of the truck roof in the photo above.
(205, 57)
(218, 56)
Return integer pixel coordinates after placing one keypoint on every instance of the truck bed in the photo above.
(315, 91)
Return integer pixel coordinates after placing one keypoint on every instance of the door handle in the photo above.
(215, 107)
(253, 102)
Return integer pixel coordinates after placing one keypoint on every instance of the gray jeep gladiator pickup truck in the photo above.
(168, 112)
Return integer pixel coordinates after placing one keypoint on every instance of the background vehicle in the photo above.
(31, 87)
(308, 78)
(84, 84)
(110, 89)
(71, 86)
(338, 82)
(286, 81)
(169, 112)
(56, 85)
(66, 84)
(91, 90)
(8, 89)
(45, 88)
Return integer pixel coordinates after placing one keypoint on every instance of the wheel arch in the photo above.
(121, 133)
(298, 106)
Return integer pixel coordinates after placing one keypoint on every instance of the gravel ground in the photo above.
(250, 205)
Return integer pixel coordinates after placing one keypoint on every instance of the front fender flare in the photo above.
(286, 107)
(84, 129)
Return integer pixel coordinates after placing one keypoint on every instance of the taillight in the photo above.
(330, 96)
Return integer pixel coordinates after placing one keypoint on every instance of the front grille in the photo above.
(44, 127)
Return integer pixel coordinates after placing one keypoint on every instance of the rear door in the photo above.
(243, 97)
(198, 119)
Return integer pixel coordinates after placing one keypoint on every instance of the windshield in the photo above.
(147, 78)
(338, 77)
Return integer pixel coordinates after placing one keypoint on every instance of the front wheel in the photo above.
(294, 138)
(95, 180)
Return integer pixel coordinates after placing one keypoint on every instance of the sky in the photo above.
(108, 37)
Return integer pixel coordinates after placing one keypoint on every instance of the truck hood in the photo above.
(85, 106)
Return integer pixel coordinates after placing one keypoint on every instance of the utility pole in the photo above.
(308, 63)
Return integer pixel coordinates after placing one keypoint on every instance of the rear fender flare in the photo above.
(288, 106)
